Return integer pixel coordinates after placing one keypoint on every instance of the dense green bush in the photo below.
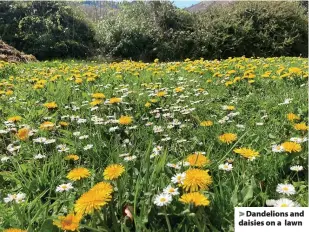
(146, 31)
(159, 30)
(253, 29)
(46, 29)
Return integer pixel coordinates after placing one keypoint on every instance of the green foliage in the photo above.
(253, 29)
(46, 29)
(159, 30)
(146, 31)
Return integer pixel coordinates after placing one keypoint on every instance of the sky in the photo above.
(183, 4)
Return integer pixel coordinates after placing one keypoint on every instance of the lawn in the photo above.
(135, 146)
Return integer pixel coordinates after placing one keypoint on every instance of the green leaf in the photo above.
(247, 193)
(48, 226)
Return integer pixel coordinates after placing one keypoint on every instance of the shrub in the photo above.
(159, 30)
(145, 31)
(252, 29)
(46, 29)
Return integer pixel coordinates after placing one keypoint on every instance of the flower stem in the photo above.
(167, 221)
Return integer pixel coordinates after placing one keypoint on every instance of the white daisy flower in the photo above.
(298, 139)
(240, 126)
(287, 189)
(124, 155)
(178, 178)
(81, 120)
(12, 148)
(76, 133)
(4, 131)
(171, 190)
(113, 129)
(162, 199)
(130, 158)
(18, 198)
(39, 140)
(4, 159)
(270, 202)
(226, 167)
(297, 168)
(64, 187)
(277, 148)
(286, 101)
(49, 141)
(176, 166)
(62, 148)
(166, 139)
(158, 129)
(183, 163)
(284, 202)
(83, 137)
(39, 156)
(88, 147)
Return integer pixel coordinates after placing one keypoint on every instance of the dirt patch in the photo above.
(10, 54)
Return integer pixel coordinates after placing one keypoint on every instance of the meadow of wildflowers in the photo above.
(133, 146)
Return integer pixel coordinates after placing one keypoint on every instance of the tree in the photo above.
(46, 29)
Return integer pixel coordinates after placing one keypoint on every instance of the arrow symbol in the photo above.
(241, 214)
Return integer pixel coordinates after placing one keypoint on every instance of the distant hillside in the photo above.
(205, 4)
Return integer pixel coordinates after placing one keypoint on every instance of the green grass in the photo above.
(250, 183)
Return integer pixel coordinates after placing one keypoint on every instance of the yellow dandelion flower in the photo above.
(98, 95)
(125, 120)
(69, 222)
(301, 126)
(14, 230)
(115, 100)
(247, 153)
(161, 93)
(47, 125)
(153, 100)
(228, 138)
(148, 104)
(72, 157)
(78, 173)
(78, 80)
(23, 133)
(295, 70)
(92, 200)
(179, 89)
(292, 117)
(291, 147)
(228, 83)
(206, 123)
(103, 186)
(113, 171)
(14, 119)
(198, 160)
(38, 86)
(96, 102)
(196, 179)
(51, 105)
(9, 93)
(90, 79)
(195, 198)
(230, 107)
(64, 124)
